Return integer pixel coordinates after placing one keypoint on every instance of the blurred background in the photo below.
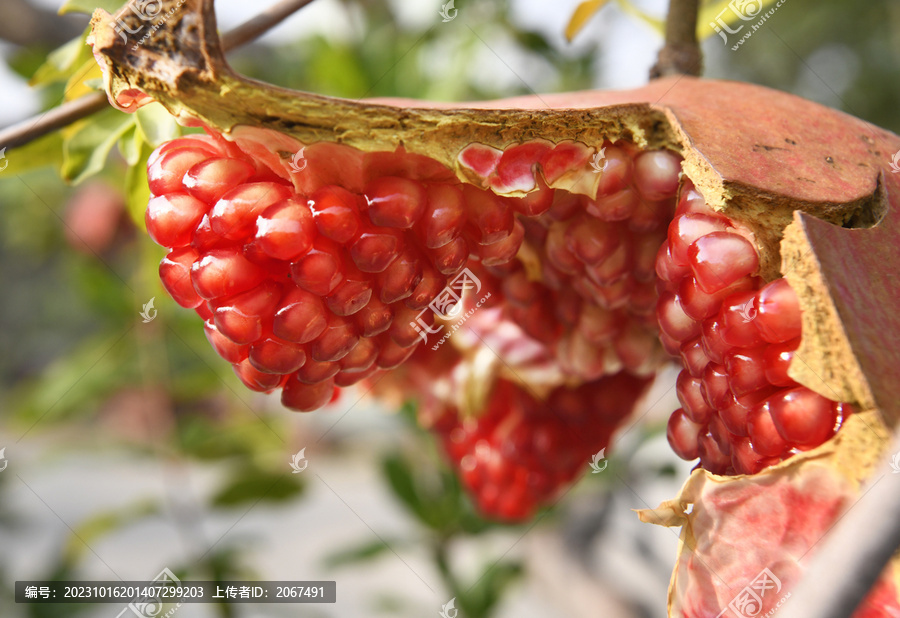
(130, 447)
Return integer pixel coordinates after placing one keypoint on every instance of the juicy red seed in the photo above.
(400, 278)
(712, 342)
(557, 249)
(715, 388)
(336, 341)
(407, 325)
(613, 268)
(694, 358)
(165, 175)
(374, 318)
(650, 215)
(803, 417)
(392, 354)
(452, 257)
(763, 434)
(344, 379)
(736, 319)
(618, 169)
(350, 296)
(618, 206)
(273, 355)
(566, 205)
(598, 325)
(241, 318)
(535, 203)
(778, 317)
(691, 201)
(635, 347)
(336, 213)
(720, 258)
(373, 252)
(644, 256)
(224, 347)
(175, 274)
(746, 370)
(191, 142)
(500, 252)
(204, 311)
(234, 215)
(720, 434)
(285, 230)
(591, 240)
(300, 317)
(683, 435)
(745, 460)
(171, 219)
(306, 397)
(320, 270)
(204, 239)
(519, 290)
(211, 179)
(700, 305)
(777, 360)
(256, 380)
(490, 217)
(430, 286)
(671, 346)
(673, 320)
(444, 216)
(687, 388)
(313, 371)
(656, 174)
(515, 170)
(711, 456)
(734, 416)
(223, 272)
(684, 230)
(395, 202)
(361, 357)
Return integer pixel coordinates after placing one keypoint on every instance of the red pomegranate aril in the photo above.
(374, 318)
(691, 201)
(175, 274)
(557, 249)
(166, 173)
(405, 329)
(300, 317)
(346, 379)
(313, 371)
(172, 218)
(718, 259)
(336, 341)
(590, 240)
(361, 357)
(636, 348)
(211, 179)
(490, 217)
(429, 286)
(673, 320)
(373, 252)
(777, 360)
(285, 230)
(519, 290)
(618, 206)
(745, 460)
(256, 380)
(683, 434)
(204, 311)
(617, 171)
(715, 388)
(452, 257)
(320, 271)
(734, 416)
(694, 358)
(204, 239)
(400, 278)
(686, 229)
(649, 216)
(763, 433)
(656, 174)
(193, 142)
(234, 216)
(720, 434)
(497, 253)
(395, 202)
(671, 346)
(306, 397)
(274, 355)
(224, 272)
(350, 296)
(643, 299)
(700, 305)
(645, 247)
(746, 370)
(803, 417)
(736, 319)
(444, 216)
(712, 342)
(391, 354)
(224, 347)
(687, 388)
(240, 318)
(536, 202)
(613, 268)
(565, 205)
(711, 456)
(778, 312)
(336, 213)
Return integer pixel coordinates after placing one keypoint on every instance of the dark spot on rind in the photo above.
(829, 160)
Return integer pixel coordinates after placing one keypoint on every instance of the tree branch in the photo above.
(680, 54)
(67, 113)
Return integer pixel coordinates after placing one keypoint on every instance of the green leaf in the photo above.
(399, 476)
(253, 485)
(481, 598)
(137, 191)
(582, 14)
(156, 124)
(45, 151)
(130, 146)
(85, 534)
(88, 6)
(714, 13)
(62, 62)
(88, 142)
(361, 553)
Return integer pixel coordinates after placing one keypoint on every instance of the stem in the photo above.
(680, 54)
(67, 113)
(861, 543)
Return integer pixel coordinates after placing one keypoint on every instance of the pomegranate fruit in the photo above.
(526, 266)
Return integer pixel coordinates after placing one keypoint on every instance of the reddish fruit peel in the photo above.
(734, 527)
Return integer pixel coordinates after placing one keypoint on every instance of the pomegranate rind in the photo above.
(735, 527)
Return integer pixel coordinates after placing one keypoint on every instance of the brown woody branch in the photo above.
(680, 54)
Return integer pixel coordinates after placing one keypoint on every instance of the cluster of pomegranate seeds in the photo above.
(736, 337)
(517, 454)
